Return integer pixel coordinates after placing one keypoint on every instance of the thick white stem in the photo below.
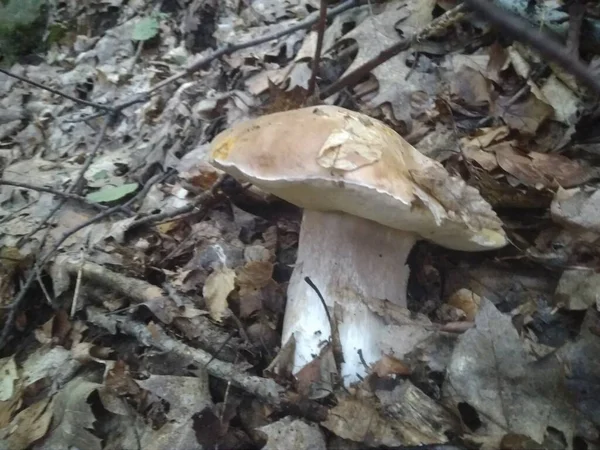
(350, 260)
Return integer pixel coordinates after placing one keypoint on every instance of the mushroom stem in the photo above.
(350, 260)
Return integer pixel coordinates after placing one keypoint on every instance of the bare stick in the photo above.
(544, 43)
(54, 91)
(317, 58)
(32, 187)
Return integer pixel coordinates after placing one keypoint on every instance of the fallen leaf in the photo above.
(112, 193)
(31, 424)
(293, 434)
(565, 103)
(380, 31)
(219, 284)
(389, 365)
(186, 395)
(8, 376)
(359, 421)
(540, 169)
(578, 207)
(491, 371)
(467, 301)
(577, 290)
(525, 116)
(72, 418)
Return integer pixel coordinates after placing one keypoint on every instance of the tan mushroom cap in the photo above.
(329, 158)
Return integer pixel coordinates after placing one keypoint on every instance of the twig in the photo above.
(79, 198)
(336, 344)
(438, 25)
(201, 200)
(317, 58)
(544, 43)
(54, 91)
(82, 256)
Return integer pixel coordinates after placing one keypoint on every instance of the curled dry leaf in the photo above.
(219, 284)
(467, 301)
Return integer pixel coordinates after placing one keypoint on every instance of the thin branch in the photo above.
(33, 187)
(317, 58)
(336, 343)
(54, 91)
(200, 200)
(544, 43)
(437, 26)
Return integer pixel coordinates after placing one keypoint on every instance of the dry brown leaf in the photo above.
(485, 137)
(526, 116)
(219, 284)
(470, 88)
(467, 301)
(388, 365)
(254, 275)
(487, 160)
(542, 170)
(30, 424)
(366, 423)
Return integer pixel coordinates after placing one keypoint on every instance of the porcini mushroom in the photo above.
(367, 196)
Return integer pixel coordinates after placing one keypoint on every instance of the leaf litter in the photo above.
(179, 291)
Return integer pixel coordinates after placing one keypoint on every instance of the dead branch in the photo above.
(544, 43)
(265, 389)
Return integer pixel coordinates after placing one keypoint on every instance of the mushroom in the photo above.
(367, 197)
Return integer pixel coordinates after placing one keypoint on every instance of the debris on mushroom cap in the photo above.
(332, 159)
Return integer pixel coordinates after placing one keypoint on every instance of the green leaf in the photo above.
(111, 193)
(100, 175)
(145, 29)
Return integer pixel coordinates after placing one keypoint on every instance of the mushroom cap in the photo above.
(329, 158)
